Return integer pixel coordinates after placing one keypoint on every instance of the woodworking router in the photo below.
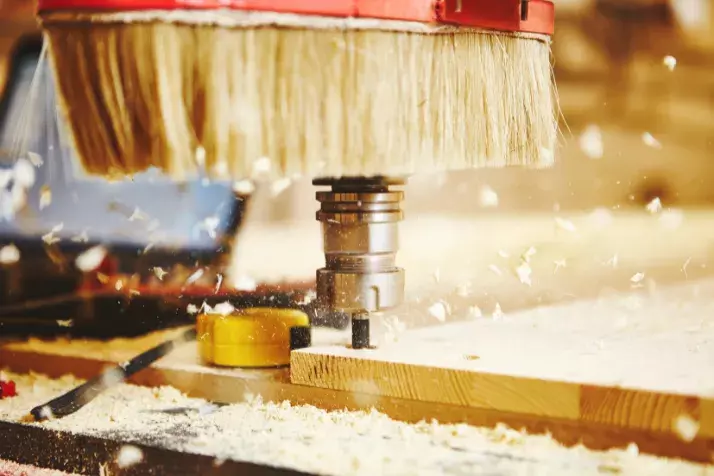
(360, 205)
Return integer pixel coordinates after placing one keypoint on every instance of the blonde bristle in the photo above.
(314, 101)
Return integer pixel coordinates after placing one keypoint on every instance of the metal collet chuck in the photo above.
(360, 219)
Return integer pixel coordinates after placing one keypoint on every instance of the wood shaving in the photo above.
(35, 159)
(475, 312)
(195, 276)
(655, 206)
(559, 263)
(524, 274)
(439, 311)
(591, 142)
(650, 141)
(564, 224)
(222, 309)
(200, 156)
(9, 254)
(159, 272)
(497, 312)
(243, 187)
(129, 455)
(51, 238)
(138, 215)
(309, 439)
(81, 238)
(24, 173)
(210, 226)
(245, 283)
(686, 427)
(45, 197)
(495, 270)
(528, 254)
(488, 197)
(261, 167)
(91, 259)
(669, 62)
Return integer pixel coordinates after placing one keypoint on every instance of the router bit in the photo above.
(360, 218)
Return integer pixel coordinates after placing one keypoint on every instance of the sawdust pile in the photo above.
(310, 439)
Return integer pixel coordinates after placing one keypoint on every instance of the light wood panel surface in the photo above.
(636, 360)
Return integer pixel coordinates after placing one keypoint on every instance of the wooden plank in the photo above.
(183, 371)
(635, 361)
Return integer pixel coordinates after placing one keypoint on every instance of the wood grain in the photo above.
(633, 408)
(434, 384)
(634, 361)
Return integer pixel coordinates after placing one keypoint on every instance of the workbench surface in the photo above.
(310, 439)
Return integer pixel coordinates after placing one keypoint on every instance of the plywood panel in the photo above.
(635, 360)
(537, 411)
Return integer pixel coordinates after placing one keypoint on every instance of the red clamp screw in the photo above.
(7, 389)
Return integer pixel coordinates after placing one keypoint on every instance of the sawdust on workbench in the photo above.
(9, 468)
(309, 439)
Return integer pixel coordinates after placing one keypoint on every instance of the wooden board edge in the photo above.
(636, 408)
(612, 406)
(437, 385)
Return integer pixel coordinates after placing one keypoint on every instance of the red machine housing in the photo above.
(528, 16)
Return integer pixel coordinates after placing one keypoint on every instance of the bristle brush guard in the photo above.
(527, 16)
